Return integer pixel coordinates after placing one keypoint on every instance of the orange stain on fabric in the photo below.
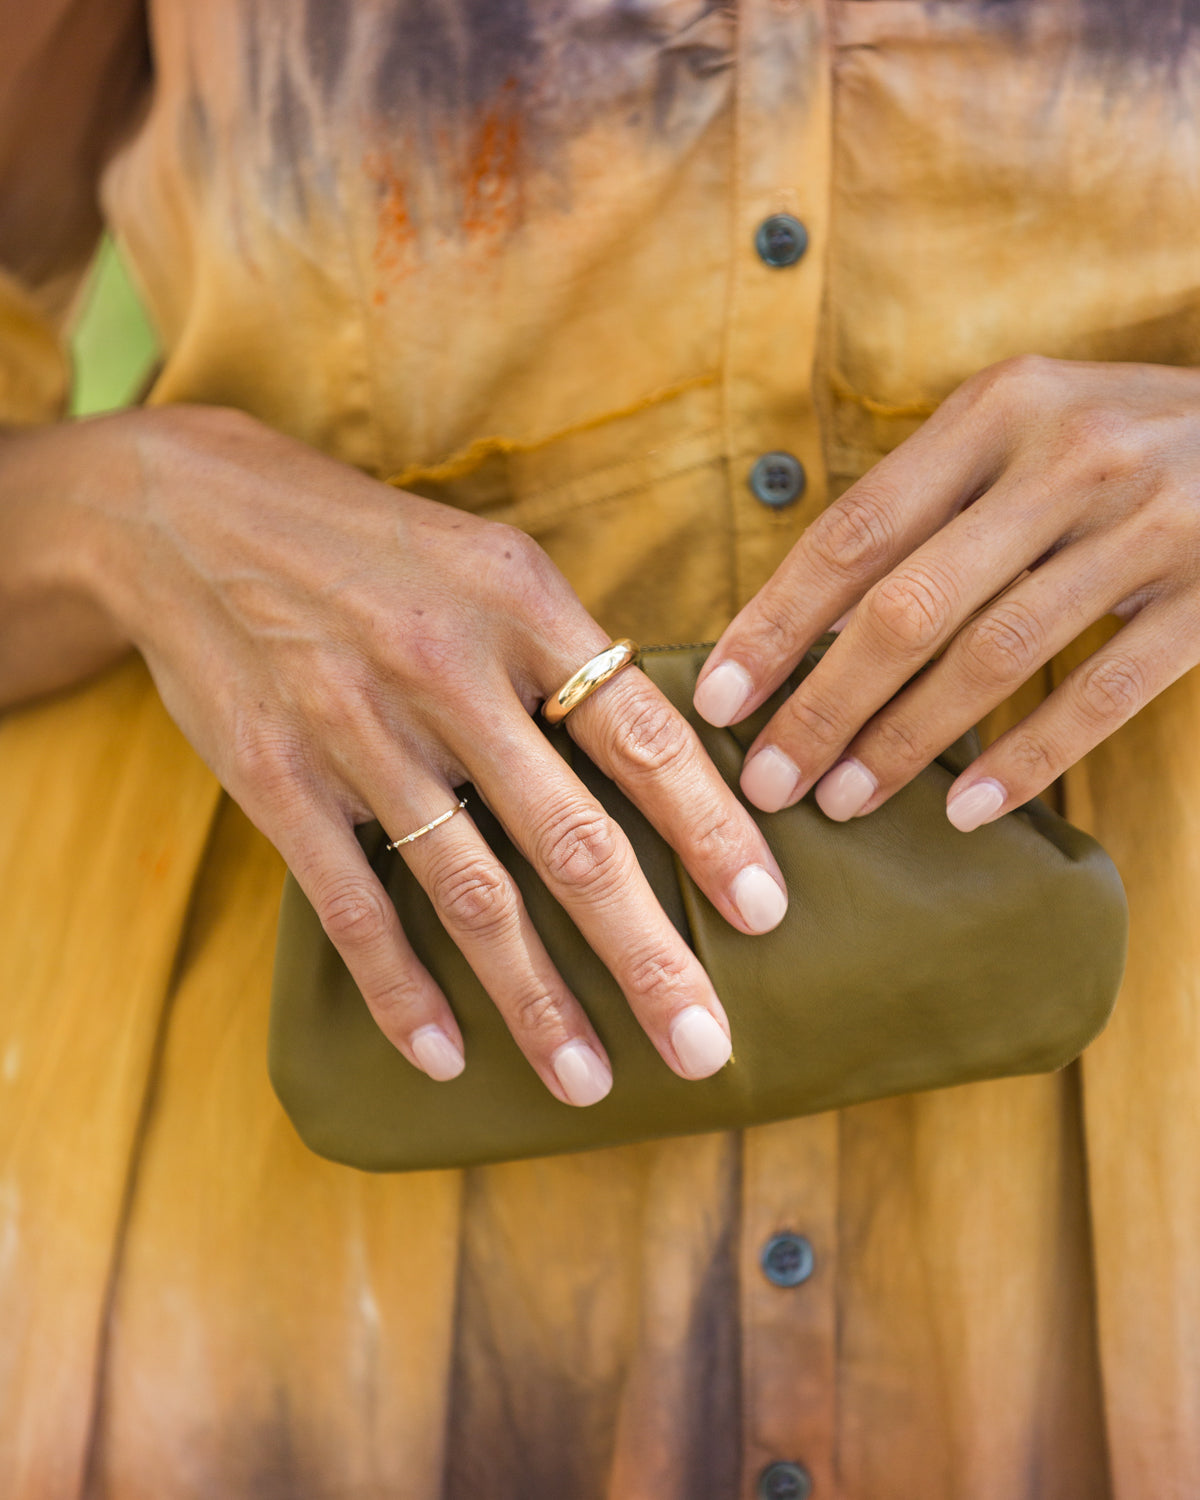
(492, 199)
(492, 196)
(395, 234)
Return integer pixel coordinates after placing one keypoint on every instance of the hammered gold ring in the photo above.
(593, 674)
(427, 827)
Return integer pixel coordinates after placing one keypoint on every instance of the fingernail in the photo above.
(845, 789)
(700, 1045)
(967, 810)
(722, 693)
(770, 779)
(759, 899)
(584, 1078)
(436, 1054)
(840, 625)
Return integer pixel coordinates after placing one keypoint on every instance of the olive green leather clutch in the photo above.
(912, 957)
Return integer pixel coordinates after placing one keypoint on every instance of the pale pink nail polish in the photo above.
(700, 1045)
(770, 779)
(758, 898)
(720, 697)
(845, 790)
(436, 1054)
(969, 809)
(585, 1079)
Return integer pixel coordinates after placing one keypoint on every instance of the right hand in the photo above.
(338, 651)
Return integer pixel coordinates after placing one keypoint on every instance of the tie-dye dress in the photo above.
(504, 251)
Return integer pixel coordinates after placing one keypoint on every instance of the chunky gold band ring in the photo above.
(593, 674)
(430, 826)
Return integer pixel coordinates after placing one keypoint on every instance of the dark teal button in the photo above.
(778, 479)
(781, 240)
(787, 1259)
(785, 1482)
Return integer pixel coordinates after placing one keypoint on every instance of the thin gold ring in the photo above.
(429, 827)
(593, 674)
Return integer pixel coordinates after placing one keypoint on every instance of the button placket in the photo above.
(780, 234)
(782, 169)
(789, 1227)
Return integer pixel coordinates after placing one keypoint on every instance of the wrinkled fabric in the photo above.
(502, 253)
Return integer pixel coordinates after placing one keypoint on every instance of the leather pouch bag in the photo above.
(912, 957)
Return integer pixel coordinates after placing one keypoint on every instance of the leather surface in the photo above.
(912, 957)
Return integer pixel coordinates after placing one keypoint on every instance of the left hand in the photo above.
(1041, 496)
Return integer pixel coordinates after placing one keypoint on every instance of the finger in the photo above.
(639, 739)
(898, 626)
(887, 514)
(587, 863)
(361, 922)
(479, 905)
(1092, 702)
(1001, 647)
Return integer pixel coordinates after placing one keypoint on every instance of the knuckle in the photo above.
(651, 736)
(578, 847)
(527, 578)
(1014, 381)
(535, 1012)
(818, 722)
(1104, 443)
(715, 836)
(334, 700)
(910, 609)
(1167, 531)
(217, 423)
(517, 547)
(855, 535)
(1111, 689)
(1035, 760)
(394, 1006)
(474, 896)
(901, 742)
(1004, 645)
(354, 913)
(657, 976)
(231, 419)
(268, 758)
(777, 624)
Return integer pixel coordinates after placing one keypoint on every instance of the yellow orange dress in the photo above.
(504, 251)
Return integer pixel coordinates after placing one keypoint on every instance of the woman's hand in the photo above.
(337, 651)
(1041, 496)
